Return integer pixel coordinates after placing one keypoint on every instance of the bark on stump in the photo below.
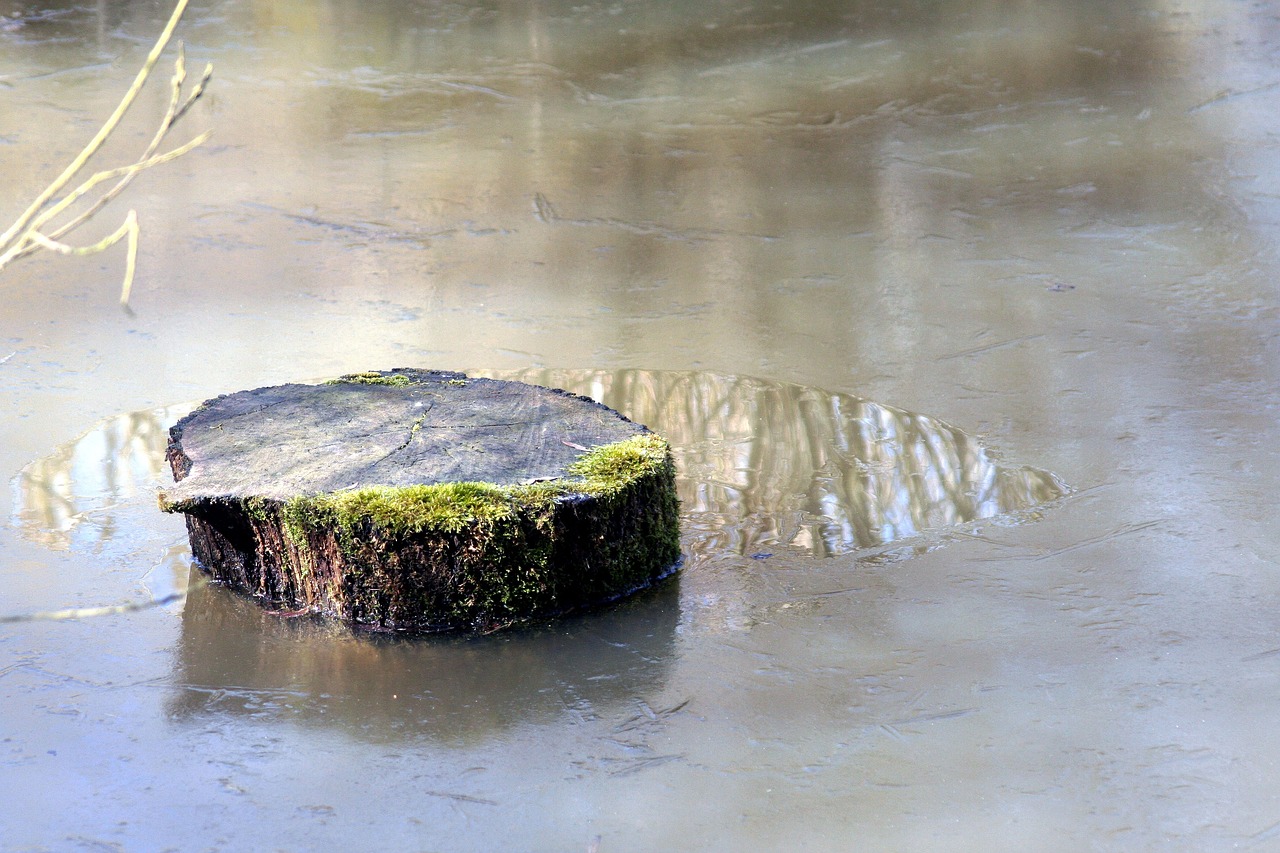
(424, 500)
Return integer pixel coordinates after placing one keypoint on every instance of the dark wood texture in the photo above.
(264, 478)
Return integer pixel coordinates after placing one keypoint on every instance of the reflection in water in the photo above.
(236, 658)
(771, 463)
(761, 463)
(73, 494)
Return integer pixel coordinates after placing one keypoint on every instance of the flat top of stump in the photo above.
(393, 428)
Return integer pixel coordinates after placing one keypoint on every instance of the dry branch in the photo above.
(28, 232)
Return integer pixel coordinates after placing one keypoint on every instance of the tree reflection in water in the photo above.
(762, 464)
(74, 494)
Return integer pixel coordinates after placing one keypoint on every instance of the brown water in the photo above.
(1050, 225)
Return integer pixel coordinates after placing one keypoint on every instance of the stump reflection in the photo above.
(234, 658)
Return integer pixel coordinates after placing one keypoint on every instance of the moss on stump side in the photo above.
(478, 555)
(465, 555)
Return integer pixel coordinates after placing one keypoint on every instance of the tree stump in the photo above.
(424, 500)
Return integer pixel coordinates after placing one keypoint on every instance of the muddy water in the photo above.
(1051, 227)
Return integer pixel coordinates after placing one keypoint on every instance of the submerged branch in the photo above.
(107, 610)
(26, 236)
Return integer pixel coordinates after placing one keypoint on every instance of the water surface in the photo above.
(1050, 226)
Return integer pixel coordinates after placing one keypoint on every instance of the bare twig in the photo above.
(99, 177)
(174, 113)
(25, 235)
(128, 228)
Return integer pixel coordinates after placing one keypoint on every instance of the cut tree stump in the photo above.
(424, 500)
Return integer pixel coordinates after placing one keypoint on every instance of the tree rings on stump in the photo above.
(424, 500)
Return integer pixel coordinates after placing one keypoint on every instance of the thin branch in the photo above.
(94, 144)
(99, 177)
(129, 228)
(109, 610)
(171, 117)
(25, 235)
(195, 93)
(32, 238)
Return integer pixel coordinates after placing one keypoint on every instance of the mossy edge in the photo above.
(468, 555)
(452, 507)
(373, 377)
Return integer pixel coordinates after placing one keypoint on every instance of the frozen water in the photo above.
(1052, 225)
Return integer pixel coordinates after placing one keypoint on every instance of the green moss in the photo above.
(454, 507)
(480, 555)
(611, 467)
(372, 377)
(259, 509)
(446, 507)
